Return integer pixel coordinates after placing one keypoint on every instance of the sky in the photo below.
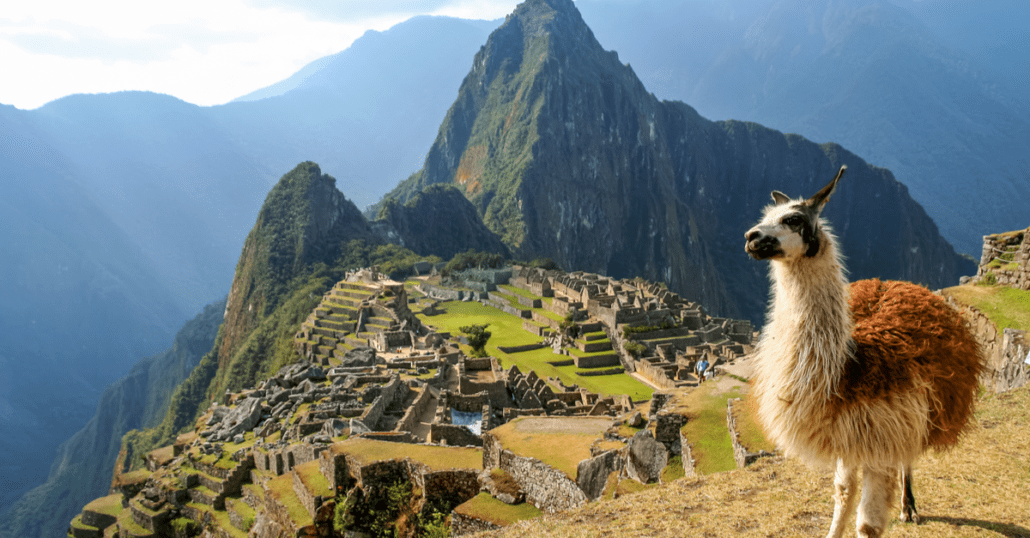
(205, 52)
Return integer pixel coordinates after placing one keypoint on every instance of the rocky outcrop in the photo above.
(437, 221)
(567, 156)
(303, 221)
(1005, 259)
(646, 458)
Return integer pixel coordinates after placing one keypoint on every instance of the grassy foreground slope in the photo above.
(977, 489)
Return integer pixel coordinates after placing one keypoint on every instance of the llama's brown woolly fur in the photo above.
(905, 336)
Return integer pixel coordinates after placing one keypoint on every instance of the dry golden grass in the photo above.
(979, 489)
(559, 442)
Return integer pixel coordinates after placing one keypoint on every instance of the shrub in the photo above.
(477, 337)
(636, 349)
(988, 279)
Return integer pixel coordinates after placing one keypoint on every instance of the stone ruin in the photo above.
(371, 370)
(673, 333)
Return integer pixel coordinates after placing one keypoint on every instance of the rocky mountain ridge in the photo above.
(566, 156)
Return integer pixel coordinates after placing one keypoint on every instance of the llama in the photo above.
(867, 376)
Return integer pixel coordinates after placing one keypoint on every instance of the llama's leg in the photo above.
(845, 486)
(908, 501)
(877, 497)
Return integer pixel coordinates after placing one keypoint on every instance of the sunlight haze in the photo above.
(205, 53)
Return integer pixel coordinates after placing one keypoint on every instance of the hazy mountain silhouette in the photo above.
(907, 85)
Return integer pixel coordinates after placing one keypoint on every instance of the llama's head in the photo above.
(790, 229)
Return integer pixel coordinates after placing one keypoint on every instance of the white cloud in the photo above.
(200, 51)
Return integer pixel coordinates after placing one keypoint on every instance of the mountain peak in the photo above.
(567, 156)
(303, 221)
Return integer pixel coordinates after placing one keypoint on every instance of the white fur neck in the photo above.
(810, 323)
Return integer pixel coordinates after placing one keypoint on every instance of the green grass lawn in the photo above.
(507, 331)
(436, 457)
(706, 428)
(110, 505)
(1007, 308)
(485, 507)
(281, 487)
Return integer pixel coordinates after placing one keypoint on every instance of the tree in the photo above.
(477, 336)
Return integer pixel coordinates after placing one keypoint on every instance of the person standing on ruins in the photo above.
(700, 368)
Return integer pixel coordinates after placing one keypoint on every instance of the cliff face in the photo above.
(304, 221)
(438, 221)
(82, 469)
(566, 155)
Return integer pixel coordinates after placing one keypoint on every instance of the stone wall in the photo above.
(741, 454)
(453, 485)
(414, 412)
(1005, 353)
(687, 457)
(1007, 257)
(467, 403)
(310, 501)
(447, 294)
(597, 361)
(545, 487)
(654, 373)
(453, 435)
(375, 411)
(462, 524)
(520, 349)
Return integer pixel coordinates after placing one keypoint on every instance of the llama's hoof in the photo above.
(909, 516)
(869, 531)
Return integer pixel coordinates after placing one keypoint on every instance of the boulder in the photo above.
(645, 458)
(592, 474)
(357, 427)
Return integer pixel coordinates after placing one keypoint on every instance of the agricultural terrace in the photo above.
(561, 442)
(705, 430)
(437, 458)
(1007, 307)
(484, 506)
(507, 331)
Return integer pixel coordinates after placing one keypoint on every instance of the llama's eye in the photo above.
(792, 220)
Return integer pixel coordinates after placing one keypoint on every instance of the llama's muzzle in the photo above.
(761, 246)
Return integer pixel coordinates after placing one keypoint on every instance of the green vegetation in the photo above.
(380, 511)
(634, 348)
(674, 469)
(477, 336)
(281, 487)
(749, 432)
(508, 331)
(184, 526)
(1006, 307)
(437, 458)
(110, 505)
(473, 259)
(487, 508)
(705, 408)
(628, 331)
(313, 479)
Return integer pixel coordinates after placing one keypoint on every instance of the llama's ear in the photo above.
(819, 199)
(779, 197)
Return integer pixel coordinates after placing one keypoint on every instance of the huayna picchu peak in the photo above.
(566, 156)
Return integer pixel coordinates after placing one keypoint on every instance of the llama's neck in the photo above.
(810, 327)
